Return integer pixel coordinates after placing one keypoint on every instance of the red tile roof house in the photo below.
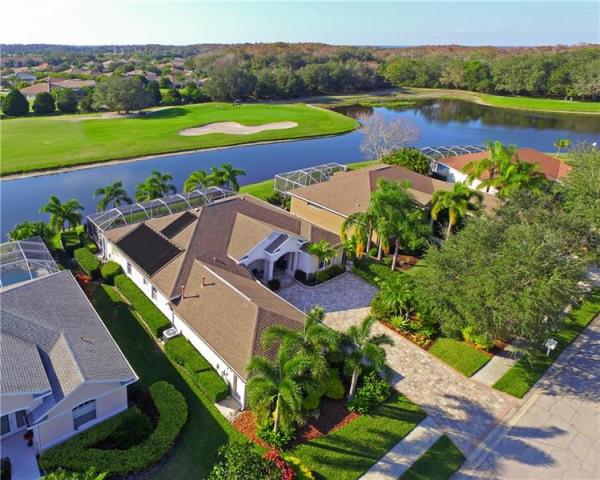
(54, 83)
(205, 268)
(453, 168)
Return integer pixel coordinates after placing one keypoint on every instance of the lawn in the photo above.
(546, 104)
(37, 143)
(523, 375)
(347, 453)
(438, 463)
(259, 190)
(206, 429)
(459, 355)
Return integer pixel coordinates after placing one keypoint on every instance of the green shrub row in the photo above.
(87, 242)
(324, 275)
(70, 240)
(87, 261)
(183, 353)
(372, 271)
(150, 314)
(78, 453)
(109, 271)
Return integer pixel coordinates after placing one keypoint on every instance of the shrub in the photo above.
(15, 104)
(480, 341)
(242, 461)
(302, 471)
(278, 439)
(87, 261)
(313, 398)
(109, 271)
(334, 388)
(134, 428)
(373, 252)
(150, 314)
(410, 158)
(29, 229)
(5, 469)
(70, 241)
(324, 275)
(66, 100)
(286, 471)
(88, 243)
(183, 353)
(78, 453)
(43, 104)
(373, 392)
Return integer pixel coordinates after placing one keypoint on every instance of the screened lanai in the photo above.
(24, 260)
(140, 211)
(306, 176)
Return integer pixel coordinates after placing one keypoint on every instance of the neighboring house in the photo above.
(32, 91)
(329, 203)
(207, 268)
(25, 77)
(54, 83)
(61, 371)
(150, 76)
(75, 84)
(453, 168)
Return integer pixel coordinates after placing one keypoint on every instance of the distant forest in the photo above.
(281, 70)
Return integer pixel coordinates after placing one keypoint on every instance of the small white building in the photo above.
(209, 269)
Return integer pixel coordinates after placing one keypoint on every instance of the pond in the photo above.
(442, 123)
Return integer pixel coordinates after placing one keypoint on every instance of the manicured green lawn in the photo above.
(259, 190)
(459, 355)
(50, 142)
(347, 453)
(206, 429)
(548, 104)
(523, 375)
(438, 463)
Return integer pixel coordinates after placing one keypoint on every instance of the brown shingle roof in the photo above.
(36, 88)
(551, 167)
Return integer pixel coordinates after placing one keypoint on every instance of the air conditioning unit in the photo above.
(170, 333)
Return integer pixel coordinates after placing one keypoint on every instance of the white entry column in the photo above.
(268, 273)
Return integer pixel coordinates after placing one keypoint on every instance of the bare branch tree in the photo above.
(381, 136)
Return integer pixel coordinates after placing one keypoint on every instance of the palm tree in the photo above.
(361, 226)
(276, 387)
(521, 176)
(112, 193)
(458, 202)
(155, 186)
(561, 143)
(61, 213)
(312, 341)
(499, 156)
(363, 349)
(396, 294)
(217, 177)
(197, 180)
(323, 251)
(230, 175)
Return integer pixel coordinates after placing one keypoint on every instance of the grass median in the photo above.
(38, 143)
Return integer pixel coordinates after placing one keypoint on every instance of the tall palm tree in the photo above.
(217, 177)
(561, 143)
(230, 175)
(362, 349)
(197, 180)
(499, 156)
(323, 251)
(458, 202)
(112, 193)
(61, 213)
(360, 226)
(275, 388)
(520, 176)
(312, 341)
(155, 186)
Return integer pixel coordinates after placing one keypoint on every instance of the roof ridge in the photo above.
(186, 253)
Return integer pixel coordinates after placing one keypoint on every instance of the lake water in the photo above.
(442, 123)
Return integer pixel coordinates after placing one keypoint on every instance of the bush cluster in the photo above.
(150, 314)
(70, 240)
(87, 261)
(242, 460)
(78, 453)
(302, 471)
(480, 341)
(88, 243)
(109, 271)
(278, 439)
(324, 275)
(373, 392)
(183, 353)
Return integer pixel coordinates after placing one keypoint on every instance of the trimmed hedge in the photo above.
(87, 242)
(183, 353)
(109, 271)
(70, 240)
(78, 453)
(150, 314)
(87, 261)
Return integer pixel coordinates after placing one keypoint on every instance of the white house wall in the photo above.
(12, 403)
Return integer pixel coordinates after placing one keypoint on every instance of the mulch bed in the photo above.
(333, 415)
(411, 337)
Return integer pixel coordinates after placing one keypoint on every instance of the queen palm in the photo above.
(61, 213)
(363, 349)
(230, 175)
(499, 156)
(197, 180)
(112, 193)
(458, 202)
(323, 251)
(396, 294)
(217, 177)
(520, 176)
(360, 224)
(312, 341)
(276, 388)
(155, 186)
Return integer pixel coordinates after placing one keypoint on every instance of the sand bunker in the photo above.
(234, 128)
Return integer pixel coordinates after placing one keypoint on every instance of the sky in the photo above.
(392, 23)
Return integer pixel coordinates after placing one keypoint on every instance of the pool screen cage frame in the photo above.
(137, 212)
(30, 255)
(306, 176)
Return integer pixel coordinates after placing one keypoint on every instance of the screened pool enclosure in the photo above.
(24, 260)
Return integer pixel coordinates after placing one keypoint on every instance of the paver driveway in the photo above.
(464, 409)
(556, 433)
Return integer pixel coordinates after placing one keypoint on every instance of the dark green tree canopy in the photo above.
(66, 100)
(229, 83)
(44, 104)
(122, 94)
(15, 104)
(411, 158)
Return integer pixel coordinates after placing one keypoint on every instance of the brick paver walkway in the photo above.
(556, 433)
(463, 409)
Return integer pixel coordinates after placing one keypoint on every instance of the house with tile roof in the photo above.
(61, 370)
(329, 203)
(208, 269)
(454, 168)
